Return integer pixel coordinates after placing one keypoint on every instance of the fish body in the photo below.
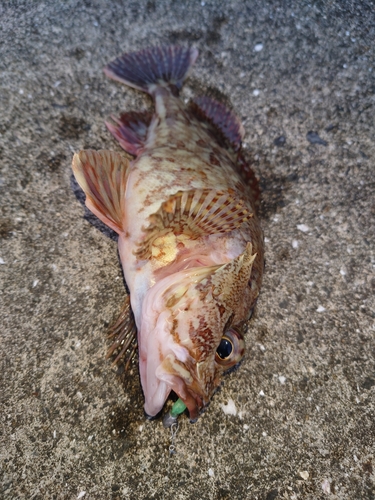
(190, 244)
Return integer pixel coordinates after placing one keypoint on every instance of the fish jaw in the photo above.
(175, 375)
(182, 378)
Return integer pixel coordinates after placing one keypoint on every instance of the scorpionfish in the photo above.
(183, 204)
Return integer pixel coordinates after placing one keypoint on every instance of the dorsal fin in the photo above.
(223, 118)
(130, 130)
(194, 213)
(103, 176)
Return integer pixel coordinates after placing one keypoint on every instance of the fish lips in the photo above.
(176, 375)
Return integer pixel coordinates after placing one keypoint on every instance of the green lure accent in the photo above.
(178, 407)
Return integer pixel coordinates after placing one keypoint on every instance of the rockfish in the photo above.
(189, 241)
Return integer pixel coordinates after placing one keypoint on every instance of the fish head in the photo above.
(195, 336)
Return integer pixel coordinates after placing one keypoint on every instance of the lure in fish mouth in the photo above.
(190, 243)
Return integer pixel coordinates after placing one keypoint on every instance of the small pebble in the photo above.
(313, 138)
(295, 244)
(326, 487)
(304, 474)
(280, 141)
(229, 408)
(303, 228)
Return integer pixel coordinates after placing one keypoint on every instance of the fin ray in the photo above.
(130, 129)
(195, 213)
(155, 66)
(124, 331)
(221, 117)
(103, 176)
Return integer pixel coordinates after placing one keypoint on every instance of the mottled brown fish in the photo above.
(190, 244)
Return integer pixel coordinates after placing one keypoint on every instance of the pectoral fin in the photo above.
(194, 213)
(103, 176)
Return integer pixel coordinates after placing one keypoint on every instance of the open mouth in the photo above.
(178, 378)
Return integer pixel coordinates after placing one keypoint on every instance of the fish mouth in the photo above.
(179, 379)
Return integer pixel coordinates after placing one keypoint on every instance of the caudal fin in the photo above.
(149, 68)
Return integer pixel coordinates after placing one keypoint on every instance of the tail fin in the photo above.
(156, 66)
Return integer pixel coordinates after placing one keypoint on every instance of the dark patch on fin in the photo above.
(130, 129)
(249, 177)
(124, 332)
(153, 67)
(194, 213)
(103, 176)
(223, 118)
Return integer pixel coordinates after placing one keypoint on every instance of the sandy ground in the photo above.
(296, 419)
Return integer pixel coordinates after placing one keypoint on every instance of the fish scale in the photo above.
(190, 242)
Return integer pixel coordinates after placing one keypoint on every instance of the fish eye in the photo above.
(231, 348)
(225, 348)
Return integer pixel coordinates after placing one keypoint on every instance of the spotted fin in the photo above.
(223, 118)
(130, 129)
(124, 333)
(103, 175)
(194, 213)
(156, 66)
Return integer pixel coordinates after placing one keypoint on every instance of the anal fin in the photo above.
(103, 176)
(221, 117)
(130, 129)
(194, 213)
(124, 333)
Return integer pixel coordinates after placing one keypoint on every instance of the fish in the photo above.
(182, 199)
